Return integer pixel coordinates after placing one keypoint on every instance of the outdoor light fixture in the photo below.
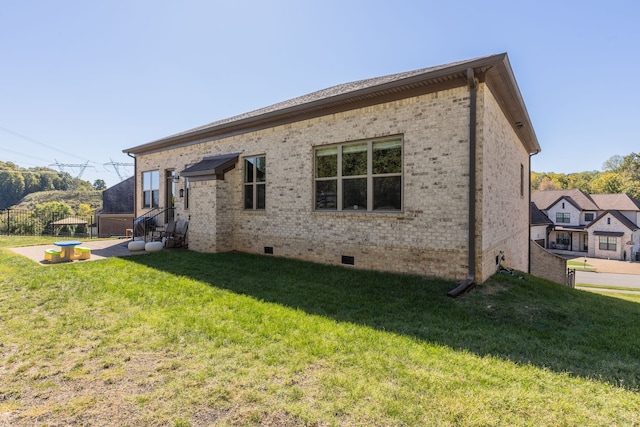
(181, 192)
(176, 179)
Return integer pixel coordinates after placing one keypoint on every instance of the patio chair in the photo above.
(178, 239)
(161, 234)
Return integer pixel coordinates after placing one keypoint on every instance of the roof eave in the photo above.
(496, 67)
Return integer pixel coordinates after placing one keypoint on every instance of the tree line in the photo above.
(16, 182)
(619, 175)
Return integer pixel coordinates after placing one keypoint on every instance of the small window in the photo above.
(151, 189)
(563, 217)
(608, 221)
(607, 243)
(255, 178)
(589, 216)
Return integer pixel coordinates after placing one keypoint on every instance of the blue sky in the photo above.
(80, 80)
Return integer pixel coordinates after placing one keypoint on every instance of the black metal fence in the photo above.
(26, 222)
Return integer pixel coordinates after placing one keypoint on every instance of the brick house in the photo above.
(373, 173)
(596, 225)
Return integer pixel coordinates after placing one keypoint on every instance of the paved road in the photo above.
(608, 279)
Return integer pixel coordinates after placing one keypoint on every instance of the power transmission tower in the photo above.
(61, 166)
(117, 166)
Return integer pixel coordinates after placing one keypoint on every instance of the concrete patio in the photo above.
(100, 249)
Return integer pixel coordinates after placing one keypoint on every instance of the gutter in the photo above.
(135, 185)
(470, 282)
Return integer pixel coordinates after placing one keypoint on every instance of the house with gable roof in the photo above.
(596, 225)
(423, 172)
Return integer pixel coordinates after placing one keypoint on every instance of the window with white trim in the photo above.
(255, 182)
(151, 189)
(358, 176)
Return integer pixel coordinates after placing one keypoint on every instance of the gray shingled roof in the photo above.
(544, 199)
(538, 217)
(620, 202)
(495, 68)
(619, 216)
(547, 198)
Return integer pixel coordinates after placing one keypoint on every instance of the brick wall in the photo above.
(547, 265)
(429, 237)
(504, 215)
(114, 224)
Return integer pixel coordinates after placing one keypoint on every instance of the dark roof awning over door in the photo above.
(213, 167)
(609, 233)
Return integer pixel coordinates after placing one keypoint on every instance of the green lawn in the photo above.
(580, 265)
(186, 339)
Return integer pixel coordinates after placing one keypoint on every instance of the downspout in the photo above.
(468, 284)
(135, 189)
(546, 237)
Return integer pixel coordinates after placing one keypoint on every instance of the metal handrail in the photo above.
(148, 222)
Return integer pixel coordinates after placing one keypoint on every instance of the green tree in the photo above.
(613, 163)
(99, 184)
(607, 183)
(46, 213)
(582, 180)
(11, 188)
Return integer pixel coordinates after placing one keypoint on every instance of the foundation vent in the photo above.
(349, 260)
(268, 250)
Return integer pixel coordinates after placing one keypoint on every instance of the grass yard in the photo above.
(580, 265)
(178, 338)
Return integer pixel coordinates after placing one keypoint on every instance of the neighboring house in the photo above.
(423, 172)
(540, 226)
(117, 213)
(598, 225)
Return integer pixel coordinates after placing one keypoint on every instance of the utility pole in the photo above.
(61, 166)
(117, 166)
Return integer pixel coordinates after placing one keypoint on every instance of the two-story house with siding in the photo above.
(423, 172)
(597, 225)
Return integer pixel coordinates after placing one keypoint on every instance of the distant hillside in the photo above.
(73, 198)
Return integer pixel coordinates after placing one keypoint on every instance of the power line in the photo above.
(43, 144)
(117, 166)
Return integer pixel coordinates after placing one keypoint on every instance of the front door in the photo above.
(584, 238)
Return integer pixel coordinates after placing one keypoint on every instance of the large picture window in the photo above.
(255, 178)
(607, 243)
(359, 176)
(151, 189)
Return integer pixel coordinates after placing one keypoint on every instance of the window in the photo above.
(521, 180)
(359, 176)
(589, 216)
(563, 217)
(150, 189)
(563, 238)
(255, 175)
(607, 243)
